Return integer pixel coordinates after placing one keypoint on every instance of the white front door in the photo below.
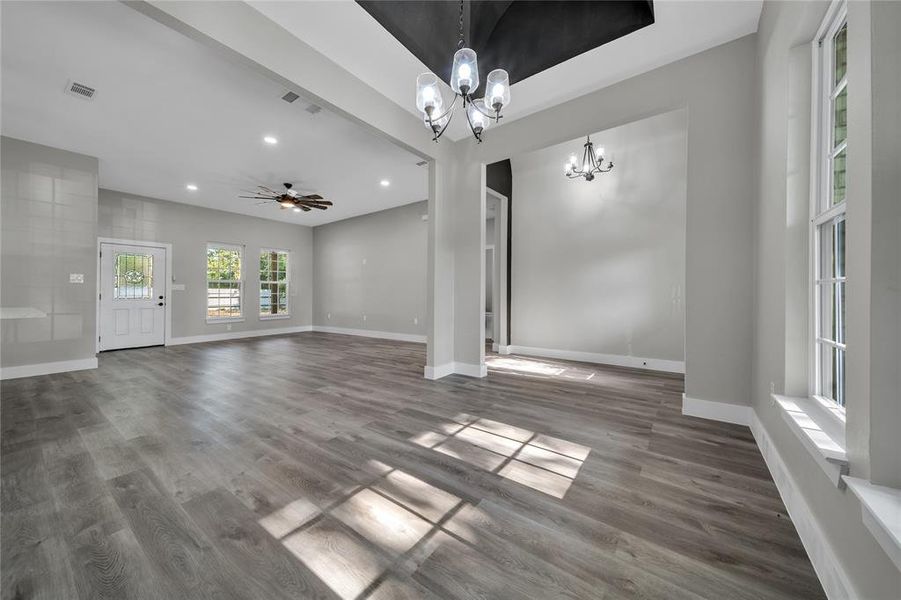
(132, 296)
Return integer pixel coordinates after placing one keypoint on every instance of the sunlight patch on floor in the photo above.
(539, 461)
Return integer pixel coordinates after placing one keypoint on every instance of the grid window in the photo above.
(224, 282)
(828, 211)
(274, 282)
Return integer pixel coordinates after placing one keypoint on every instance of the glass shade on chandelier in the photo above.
(591, 164)
(497, 86)
(465, 74)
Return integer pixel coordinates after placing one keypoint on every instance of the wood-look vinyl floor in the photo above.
(325, 466)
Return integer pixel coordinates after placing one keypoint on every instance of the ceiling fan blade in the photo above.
(305, 208)
(320, 207)
(256, 197)
(312, 197)
(267, 190)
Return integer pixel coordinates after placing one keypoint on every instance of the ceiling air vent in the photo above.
(80, 90)
(290, 97)
(422, 163)
(313, 109)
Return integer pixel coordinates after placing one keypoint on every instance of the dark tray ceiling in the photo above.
(523, 37)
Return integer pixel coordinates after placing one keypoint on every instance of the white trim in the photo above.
(63, 366)
(235, 335)
(880, 511)
(384, 335)
(439, 371)
(471, 370)
(821, 434)
(636, 362)
(717, 411)
(825, 563)
(167, 247)
(455, 368)
(501, 349)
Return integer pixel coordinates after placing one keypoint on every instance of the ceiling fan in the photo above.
(289, 198)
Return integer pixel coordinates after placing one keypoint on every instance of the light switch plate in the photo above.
(76, 277)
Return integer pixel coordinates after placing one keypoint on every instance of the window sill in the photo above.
(821, 432)
(214, 320)
(880, 509)
(274, 317)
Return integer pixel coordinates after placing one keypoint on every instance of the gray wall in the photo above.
(49, 230)
(188, 229)
(716, 87)
(600, 266)
(781, 303)
(372, 265)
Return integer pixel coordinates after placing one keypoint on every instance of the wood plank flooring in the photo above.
(324, 466)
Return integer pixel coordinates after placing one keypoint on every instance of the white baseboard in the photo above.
(236, 335)
(717, 411)
(501, 349)
(63, 366)
(829, 570)
(458, 368)
(384, 335)
(471, 370)
(637, 362)
(439, 371)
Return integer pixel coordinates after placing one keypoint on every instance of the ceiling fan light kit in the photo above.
(464, 82)
(592, 163)
(290, 198)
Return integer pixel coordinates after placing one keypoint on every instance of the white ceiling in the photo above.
(349, 36)
(169, 111)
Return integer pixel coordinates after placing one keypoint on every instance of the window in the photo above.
(133, 278)
(274, 281)
(828, 209)
(224, 282)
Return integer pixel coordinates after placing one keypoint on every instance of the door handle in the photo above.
(159, 303)
(161, 297)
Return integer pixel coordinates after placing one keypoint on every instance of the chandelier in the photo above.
(464, 81)
(592, 162)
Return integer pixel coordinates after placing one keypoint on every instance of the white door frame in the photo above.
(167, 319)
(501, 344)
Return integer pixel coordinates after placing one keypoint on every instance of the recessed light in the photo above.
(385, 183)
(270, 140)
(296, 209)
(191, 187)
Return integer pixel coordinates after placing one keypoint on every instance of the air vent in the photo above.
(422, 163)
(80, 90)
(313, 109)
(290, 97)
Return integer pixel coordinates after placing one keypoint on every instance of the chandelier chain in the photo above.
(460, 42)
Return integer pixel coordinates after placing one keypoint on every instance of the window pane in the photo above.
(838, 385)
(827, 311)
(840, 248)
(840, 311)
(133, 276)
(840, 54)
(838, 177)
(264, 266)
(840, 118)
(265, 299)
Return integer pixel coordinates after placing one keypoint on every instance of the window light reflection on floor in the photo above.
(539, 461)
(352, 543)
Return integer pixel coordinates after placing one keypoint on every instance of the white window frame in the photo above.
(288, 262)
(224, 246)
(821, 209)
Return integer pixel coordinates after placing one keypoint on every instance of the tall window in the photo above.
(224, 282)
(274, 281)
(828, 209)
